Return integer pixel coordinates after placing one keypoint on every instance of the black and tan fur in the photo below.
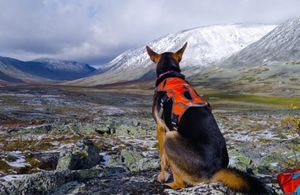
(197, 151)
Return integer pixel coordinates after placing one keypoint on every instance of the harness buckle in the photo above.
(163, 100)
(174, 121)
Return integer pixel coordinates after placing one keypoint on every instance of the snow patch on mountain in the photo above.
(65, 65)
(206, 46)
(282, 45)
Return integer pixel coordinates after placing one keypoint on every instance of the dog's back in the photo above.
(199, 127)
(200, 130)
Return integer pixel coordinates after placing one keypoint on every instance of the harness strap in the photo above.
(182, 95)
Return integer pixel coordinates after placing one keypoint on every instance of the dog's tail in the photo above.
(239, 181)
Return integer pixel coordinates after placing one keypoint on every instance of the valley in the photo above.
(38, 123)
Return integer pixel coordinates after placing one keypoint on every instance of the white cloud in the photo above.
(94, 31)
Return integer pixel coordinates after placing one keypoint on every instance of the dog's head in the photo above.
(167, 61)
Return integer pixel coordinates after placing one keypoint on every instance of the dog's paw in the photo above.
(175, 186)
(162, 177)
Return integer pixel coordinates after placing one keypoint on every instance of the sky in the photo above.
(96, 31)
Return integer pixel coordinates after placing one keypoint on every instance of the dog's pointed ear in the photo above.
(178, 54)
(155, 57)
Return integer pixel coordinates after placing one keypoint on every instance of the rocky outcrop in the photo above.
(101, 181)
(44, 182)
(83, 155)
(135, 161)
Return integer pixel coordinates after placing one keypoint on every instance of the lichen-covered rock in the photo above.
(118, 181)
(108, 129)
(14, 162)
(239, 160)
(44, 182)
(83, 155)
(135, 161)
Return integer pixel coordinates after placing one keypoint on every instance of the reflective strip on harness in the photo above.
(183, 96)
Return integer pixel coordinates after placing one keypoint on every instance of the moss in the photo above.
(135, 161)
(248, 78)
(9, 100)
(275, 162)
(272, 76)
(34, 162)
(101, 144)
(81, 154)
(263, 141)
(18, 144)
(291, 163)
(42, 146)
(241, 161)
(24, 144)
(291, 124)
(257, 126)
(46, 143)
(4, 167)
(282, 102)
(295, 146)
(89, 173)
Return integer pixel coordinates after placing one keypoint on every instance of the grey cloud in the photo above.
(96, 31)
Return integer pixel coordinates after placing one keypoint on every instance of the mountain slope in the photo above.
(280, 46)
(59, 69)
(270, 65)
(42, 70)
(206, 46)
(10, 72)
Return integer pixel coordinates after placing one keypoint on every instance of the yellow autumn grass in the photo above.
(292, 123)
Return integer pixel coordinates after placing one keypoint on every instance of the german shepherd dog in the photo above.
(195, 150)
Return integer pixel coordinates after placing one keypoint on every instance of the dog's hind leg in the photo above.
(181, 178)
(161, 134)
(178, 176)
(183, 161)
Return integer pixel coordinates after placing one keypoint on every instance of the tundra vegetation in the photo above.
(46, 132)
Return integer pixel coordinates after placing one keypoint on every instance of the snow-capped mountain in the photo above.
(206, 46)
(282, 45)
(269, 65)
(42, 70)
(60, 69)
(65, 65)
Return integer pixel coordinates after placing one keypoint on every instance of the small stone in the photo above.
(136, 123)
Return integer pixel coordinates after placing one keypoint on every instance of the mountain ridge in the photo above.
(270, 65)
(280, 46)
(206, 46)
(41, 70)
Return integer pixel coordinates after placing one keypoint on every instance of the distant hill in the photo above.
(206, 46)
(42, 70)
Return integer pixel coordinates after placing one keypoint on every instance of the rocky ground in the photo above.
(82, 141)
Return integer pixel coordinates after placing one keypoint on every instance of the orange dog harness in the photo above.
(182, 95)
